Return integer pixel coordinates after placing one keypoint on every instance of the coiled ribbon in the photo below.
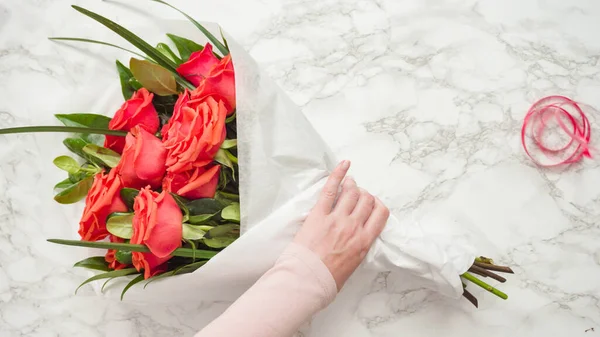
(569, 145)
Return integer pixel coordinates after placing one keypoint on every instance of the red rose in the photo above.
(193, 184)
(157, 223)
(220, 84)
(138, 110)
(143, 160)
(194, 134)
(102, 199)
(199, 65)
(110, 255)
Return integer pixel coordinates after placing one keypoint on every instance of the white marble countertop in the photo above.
(425, 97)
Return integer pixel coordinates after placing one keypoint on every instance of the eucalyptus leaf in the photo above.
(219, 242)
(138, 279)
(231, 212)
(184, 46)
(124, 76)
(166, 50)
(67, 163)
(110, 274)
(109, 157)
(229, 143)
(128, 195)
(120, 225)
(75, 192)
(222, 230)
(153, 77)
(94, 262)
(192, 232)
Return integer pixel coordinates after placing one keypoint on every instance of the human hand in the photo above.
(342, 232)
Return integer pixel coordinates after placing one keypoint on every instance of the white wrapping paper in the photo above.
(283, 165)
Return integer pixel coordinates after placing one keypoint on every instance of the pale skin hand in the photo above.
(342, 232)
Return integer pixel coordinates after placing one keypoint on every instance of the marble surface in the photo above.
(426, 97)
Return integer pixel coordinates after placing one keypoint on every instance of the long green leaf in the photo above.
(183, 252)
(94, 262)
(77, 39)
(52, 128)
(204, 31)
(190, 268)
(139, 43)
(110, 274)
(138, 279)
(166, 50)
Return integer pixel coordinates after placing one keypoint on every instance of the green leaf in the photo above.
(110, 274)
(95, 263)
(67, 163)
(200, 219)
(190, 268)
(107, 156)
(224, 40)
(63, 184)
(183, 252)
(192, 232)
(77, 39)
(123, 257)
(139, 43)
(75, 192)
(222, 158)
(184, 46)
(229, 143)
(124, 76)
(204, 31)
(222, 230)
(166, 50)
(52, 128)
(76, 146)
(153, 77)
(138, 279)
(128, 195)
(231, 118)
(226, 198)
(181, 202)
(106, 283)
(220, 242)
(204, 206)
(120, 225)
(93, 121)
(135, 84)
(231, 212)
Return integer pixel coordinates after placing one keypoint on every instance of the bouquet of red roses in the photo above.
(164, 194)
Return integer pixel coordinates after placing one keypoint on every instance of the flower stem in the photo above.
(51, 128)
(128, 247)
(485, 286)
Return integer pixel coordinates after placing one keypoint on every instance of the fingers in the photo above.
(330, 191)
(377, 220)
(348, 197)
(364, 207)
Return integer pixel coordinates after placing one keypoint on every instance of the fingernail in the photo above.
(345, 164)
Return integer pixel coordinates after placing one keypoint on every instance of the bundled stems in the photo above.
(470, 298)
(485, 286)
(493, 267)
(486, 273)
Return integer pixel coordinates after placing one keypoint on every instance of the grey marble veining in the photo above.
(425, 97)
